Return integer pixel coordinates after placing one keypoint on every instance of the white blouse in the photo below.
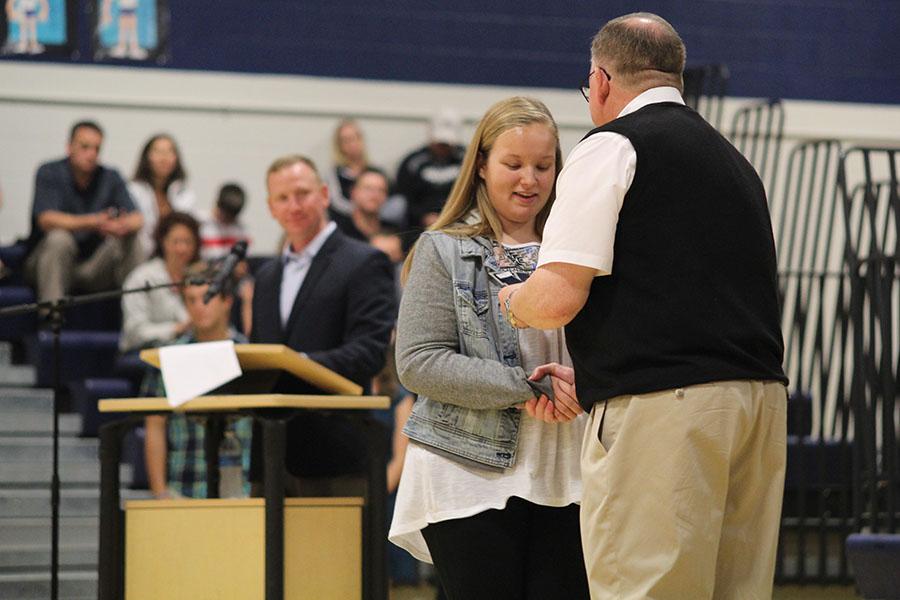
(181, 198)
(547, 471)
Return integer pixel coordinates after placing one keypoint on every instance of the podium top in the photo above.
(254, 357)
(245, 401)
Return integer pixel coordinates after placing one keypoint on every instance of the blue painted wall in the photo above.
(836, 50)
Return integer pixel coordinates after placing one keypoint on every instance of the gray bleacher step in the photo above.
(39, 423)
(76, 585)
(26, 399)
(18, 448)
(73, 531)
(17, 558)
(5, 353)
(31, 503)
(74, 473)
(17, 375)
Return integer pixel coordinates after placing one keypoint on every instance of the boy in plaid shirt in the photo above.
(173, 446)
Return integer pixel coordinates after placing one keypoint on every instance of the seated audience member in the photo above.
(158, 317)
(426, 176)
(83, 221)
(173, 446)
(159, 185)
(403, 568)
(348, 151)
(386, 383)
(388, 241)
(221, 228)
(367, 196)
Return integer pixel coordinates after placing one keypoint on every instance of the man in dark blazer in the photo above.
(330, 297)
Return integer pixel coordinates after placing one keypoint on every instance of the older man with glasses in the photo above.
(658, 257)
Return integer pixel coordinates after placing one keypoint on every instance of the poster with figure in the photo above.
(38, 27)
(131, 30)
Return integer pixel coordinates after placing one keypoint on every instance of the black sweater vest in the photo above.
(692, 297)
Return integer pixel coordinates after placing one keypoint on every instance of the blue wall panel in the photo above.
(837, 50)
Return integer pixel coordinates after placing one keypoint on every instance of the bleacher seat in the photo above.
(13, 329)
(83, 354)
(814, 466)
(99, 316)
(817, 465)
(87, 392)
(130, 366)
(875, 559)
(819, 473)
(13, 257)
(799, 414)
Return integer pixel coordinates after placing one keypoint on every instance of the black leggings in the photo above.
(523, 552)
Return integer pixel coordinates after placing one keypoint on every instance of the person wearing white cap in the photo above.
(426, 176)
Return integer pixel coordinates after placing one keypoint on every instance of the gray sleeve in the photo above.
(428, 357)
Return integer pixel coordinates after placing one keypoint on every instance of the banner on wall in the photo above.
(131, 30)
(38, 28)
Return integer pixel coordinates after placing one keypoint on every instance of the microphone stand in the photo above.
(52, 312)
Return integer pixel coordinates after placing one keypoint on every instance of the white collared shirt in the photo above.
(296, 266)
(581, 228)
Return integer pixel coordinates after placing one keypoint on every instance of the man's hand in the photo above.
(113, 226)
(99, 222)
(565, 406)
(121, 224)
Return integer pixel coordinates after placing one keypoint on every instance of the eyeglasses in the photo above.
(586, 84)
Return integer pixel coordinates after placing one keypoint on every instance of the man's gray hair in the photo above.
(642, 49)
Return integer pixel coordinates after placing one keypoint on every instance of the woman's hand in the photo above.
(542, 409)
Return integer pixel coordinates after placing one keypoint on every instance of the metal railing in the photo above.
(836, 233)
(757, 131)
(704, 91)
(868, 181)
(815, 298)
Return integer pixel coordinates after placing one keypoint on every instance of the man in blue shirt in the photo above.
(83, 221)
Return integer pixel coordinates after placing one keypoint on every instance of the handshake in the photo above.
(564, 407)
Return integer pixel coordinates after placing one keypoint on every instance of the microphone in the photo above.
(238, 251)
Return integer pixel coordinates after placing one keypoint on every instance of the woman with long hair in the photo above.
(489, 491)
(350, 160)
(159, 185)
(159, 316)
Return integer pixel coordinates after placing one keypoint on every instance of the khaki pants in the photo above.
(682, 500)
(53, 269)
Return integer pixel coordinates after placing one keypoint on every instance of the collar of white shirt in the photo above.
(311, 249)
(652, 96)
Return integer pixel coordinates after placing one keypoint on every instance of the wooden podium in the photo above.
(193, 566)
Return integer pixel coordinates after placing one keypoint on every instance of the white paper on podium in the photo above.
(191, 370)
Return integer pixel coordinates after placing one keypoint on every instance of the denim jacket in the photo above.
(457, 352)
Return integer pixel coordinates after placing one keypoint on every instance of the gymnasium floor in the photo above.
(781, 593)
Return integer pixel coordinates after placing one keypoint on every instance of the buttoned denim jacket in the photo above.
(458, 353)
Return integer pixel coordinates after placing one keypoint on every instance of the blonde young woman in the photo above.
(351, 159)
(489, 492)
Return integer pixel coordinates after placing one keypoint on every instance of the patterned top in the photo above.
(185, 436)
(513, 263)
